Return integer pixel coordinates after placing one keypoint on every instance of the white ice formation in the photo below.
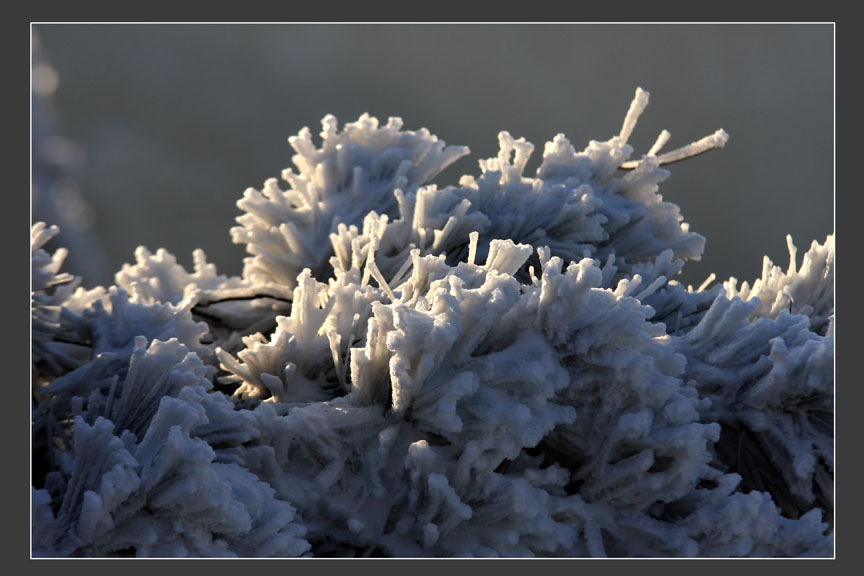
(505, 368)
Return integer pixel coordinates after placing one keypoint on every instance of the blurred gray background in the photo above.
(170, 123)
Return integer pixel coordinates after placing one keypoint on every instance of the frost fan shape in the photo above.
(503, 368)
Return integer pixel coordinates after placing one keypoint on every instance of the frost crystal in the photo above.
(505, 368)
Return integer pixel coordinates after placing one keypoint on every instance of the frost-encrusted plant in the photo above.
(506, 367)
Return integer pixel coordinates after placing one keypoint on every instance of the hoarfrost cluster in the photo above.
(502, 368)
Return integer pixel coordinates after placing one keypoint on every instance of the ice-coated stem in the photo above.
(637, 106)
(716, 140)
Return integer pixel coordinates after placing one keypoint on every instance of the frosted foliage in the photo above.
(677, 307)
(144, 483)
(232, 307)
(575, 206)
(56, 306)
(354, 171)
(45, 267)
(114, 327)
(159, 278)
(155, 370)
(627, 385)
(503, 368)
(807, 290)
(307, 356)
(771, 386)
